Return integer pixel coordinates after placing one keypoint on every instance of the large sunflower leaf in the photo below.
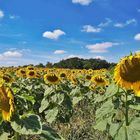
(27, 125)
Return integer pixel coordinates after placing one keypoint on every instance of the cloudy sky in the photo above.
(33, 31)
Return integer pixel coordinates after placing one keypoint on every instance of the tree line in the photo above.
(79, 63)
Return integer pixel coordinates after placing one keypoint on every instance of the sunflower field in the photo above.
(71, 104)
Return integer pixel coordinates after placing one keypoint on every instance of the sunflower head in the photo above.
(88, 77)
(6, 103)
(73, 79)
(63, 75)
(20, 73)
(7, 78)
(30, 68)
(127, 73)
(99, 80)
(31, 74)
(51, 79)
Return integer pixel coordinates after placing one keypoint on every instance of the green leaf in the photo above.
(49, 134)
(101, 125)
(105, 109)
(136, 107)
(51, 114)
(114, 128)
(28, 98)
(111, 91)
(76, 92)
(135, 124)
(44, 105)
(4, 136)
(48, 91)
(58, 98)
(76, 100)
(123, 132)
(30, 124)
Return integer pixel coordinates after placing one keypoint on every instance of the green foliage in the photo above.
(78, 63)
(27, 125)
(49, 134)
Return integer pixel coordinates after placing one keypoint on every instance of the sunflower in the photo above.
(7, 78)
(20, 73)
(90, 71)
(6, 103)
(127, 73)
(63, 75)
(31, 74)
(51, 78)
(88, 77)
(99, 80)
(29, 68)
(92, 87)
(73, 79)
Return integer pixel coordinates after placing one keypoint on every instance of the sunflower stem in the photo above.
(126, 109)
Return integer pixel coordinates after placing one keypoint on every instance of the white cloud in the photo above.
(100, 47)
(13, 17)
(10, 55)
(59, 52)
(131, 21)
(72, 56)
(106, 23)
(1, 14)
(53, 35)
(90, 29)
(82, 2)
(84, 57)
(119, 25)
(128, 22)
(137, 37)
(99, 57)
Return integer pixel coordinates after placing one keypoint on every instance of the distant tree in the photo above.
(49, 65)
(40, 65)
(79, 63)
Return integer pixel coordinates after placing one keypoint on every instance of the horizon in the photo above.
(41, 31)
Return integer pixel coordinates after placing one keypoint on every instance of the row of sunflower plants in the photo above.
(21, 104)
(32, 99)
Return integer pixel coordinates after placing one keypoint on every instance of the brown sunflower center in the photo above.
(130, 70)
(31, 73)
(99, 80)
(6, 78)
(62, 75)
(88, 77)
(22, 71)
(52, 78)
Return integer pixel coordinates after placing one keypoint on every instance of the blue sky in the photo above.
(34, 31)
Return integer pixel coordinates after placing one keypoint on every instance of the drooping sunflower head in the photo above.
(99, 80)
(6, 103)
(51, 79)
(127, 73)
(31, 74)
